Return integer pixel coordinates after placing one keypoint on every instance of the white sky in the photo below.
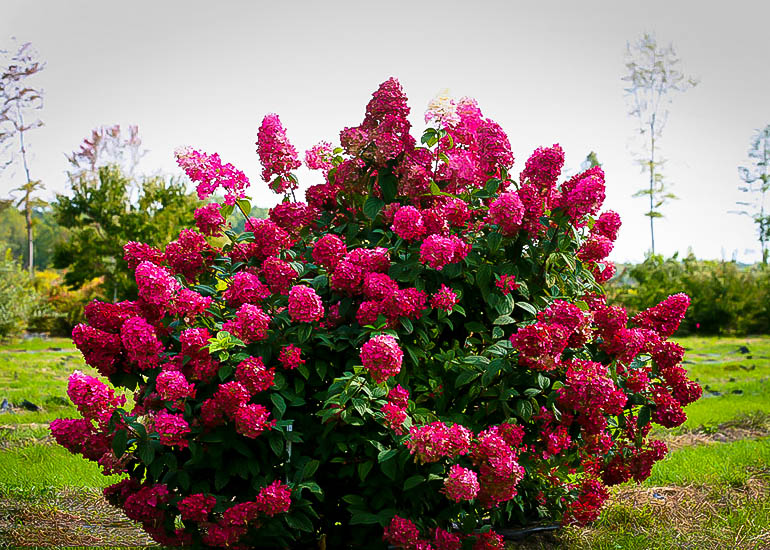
(205, 73)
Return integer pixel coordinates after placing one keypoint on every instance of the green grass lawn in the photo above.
(710, 492)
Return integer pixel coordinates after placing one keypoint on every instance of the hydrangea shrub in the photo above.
(417, 355)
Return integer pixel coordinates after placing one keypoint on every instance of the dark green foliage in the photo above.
(726, 298)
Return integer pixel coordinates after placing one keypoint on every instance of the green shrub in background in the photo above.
(17, 296)
(727, 298)
(60, 307)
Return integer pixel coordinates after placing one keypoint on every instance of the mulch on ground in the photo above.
(74, 517)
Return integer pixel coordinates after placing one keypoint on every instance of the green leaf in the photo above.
(279, 403)
(389, 468)
(146, 452)
(372, 207)
(119, 442)
(407, 324)
(489, 374)
(276, 443)
(386, 455)
(388, 186)
(355, 500)
(644, 417)
(183, 478)
(310, 469)
(245, 205)
(492, 186)
(304, 332)
(413, 481)
(363, 518)
(299, 521)
(504, 320)
(494, 239)
(224, 372)
(221, 477)
(529, 308)
(524, 409)
(466, 377)
(483, 276)
(364, 468)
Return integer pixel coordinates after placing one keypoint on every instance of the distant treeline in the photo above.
(727, 297)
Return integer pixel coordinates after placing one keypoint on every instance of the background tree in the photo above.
(102, 217)
(591, 161)
(14, 235)
(107, 145)
(27, 204)
(654, 74)
(756, 182)
(18, 102)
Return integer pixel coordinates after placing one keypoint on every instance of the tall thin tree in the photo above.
(19, 101)
(653, 76)
(756, 182)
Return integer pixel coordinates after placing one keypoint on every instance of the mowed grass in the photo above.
(33, 470)
(735, 375)
(36, 370)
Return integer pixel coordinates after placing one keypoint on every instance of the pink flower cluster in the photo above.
(135, 253)
(156, 285)
(500, 472)
(319, 157)
(254, 375)
(188, 255)
(665, 317)
(279, 275)
(328, 251)
(141, 343)
(507, 283)
(294, 216)
(250, 324)
(291, 357)
(507, 212)
(394, 410)
(246, 288)
(436, 440)
(407, 223)
(209, 219)
(172, 386)
(461, 484)
(583, 194)
(100, 349)
(540, 345)
(305, 305)
(438, 251)
(269, 239)
(591, 393)
(444, 298)
(544, 166)
(196, 507)
(209, 173)
(277, 155)
(172, 428)
(382, 357)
